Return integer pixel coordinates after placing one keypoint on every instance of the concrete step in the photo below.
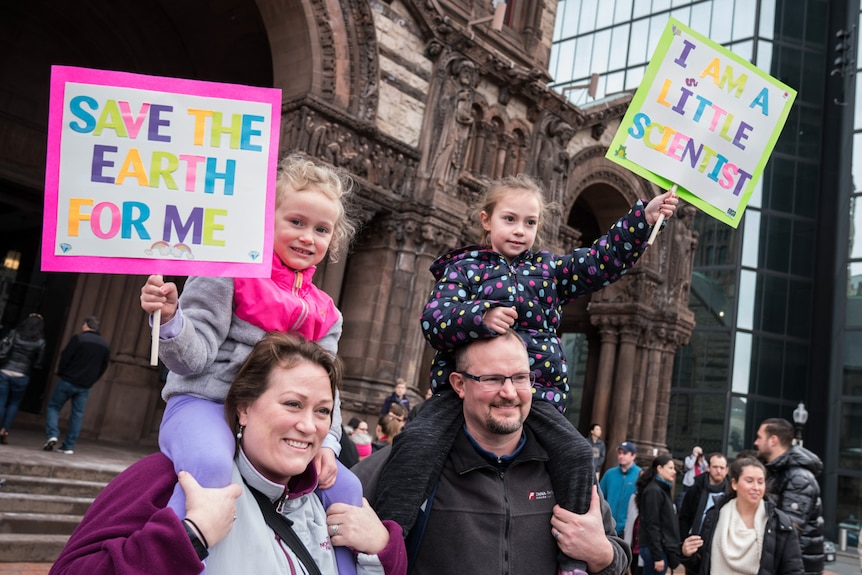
(30, 548)
(65, 468)
(38, 523)
(37, 503)
(26, 485)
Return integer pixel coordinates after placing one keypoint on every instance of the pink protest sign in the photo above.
(147, 174)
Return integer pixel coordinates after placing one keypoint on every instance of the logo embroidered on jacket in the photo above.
(540, 495)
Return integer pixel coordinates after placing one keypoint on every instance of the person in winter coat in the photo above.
(792, 474)
(279, 408)
(658, 532)
(745, 534)
(26, 353)
(398, 395)
(482, 291)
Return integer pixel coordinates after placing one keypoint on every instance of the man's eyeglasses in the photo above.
(494, 381)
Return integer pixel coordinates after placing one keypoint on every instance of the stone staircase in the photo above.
(41, 503)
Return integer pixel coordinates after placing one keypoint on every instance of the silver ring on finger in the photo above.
(334, 530)
(556, 534)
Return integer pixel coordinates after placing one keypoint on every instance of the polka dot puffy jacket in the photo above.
(474, 279)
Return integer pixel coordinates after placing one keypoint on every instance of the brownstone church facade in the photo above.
(423, 106)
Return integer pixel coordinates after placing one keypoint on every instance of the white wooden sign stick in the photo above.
(154, 346)
(657, 226)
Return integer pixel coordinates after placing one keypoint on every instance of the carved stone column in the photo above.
(650, 398)
(386, 286)
(608, 335)
(618, 423)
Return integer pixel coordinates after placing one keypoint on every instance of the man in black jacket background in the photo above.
(792, 483)
(82, 363)
(701, 496)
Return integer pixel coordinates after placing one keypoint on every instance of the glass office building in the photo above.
(778, 301)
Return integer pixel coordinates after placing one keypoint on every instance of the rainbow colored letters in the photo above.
(176, 172)
(705, 119)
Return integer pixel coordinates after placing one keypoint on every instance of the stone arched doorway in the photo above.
(219, 40)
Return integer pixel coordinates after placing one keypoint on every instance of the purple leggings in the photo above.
(196, 437)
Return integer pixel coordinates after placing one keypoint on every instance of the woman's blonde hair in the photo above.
(498, 189)
(300, 174)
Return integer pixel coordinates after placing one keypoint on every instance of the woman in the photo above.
(388, 426)
(744, 533)
(279, 406)
(658, 532)
(28, 348)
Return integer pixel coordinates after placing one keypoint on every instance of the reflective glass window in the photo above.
(601, 51)
(747, 288)
(583, 56)
(792, 14)
(744, 13)
(767, 19)
(795, 377)
(705, 361)
(852, 385)
(816, 24)
(849, 497)
(635, 76)
(856, 226)
(850, 442)
(743, 49)
(571, 12)
(766, 366)
(779, 181)
(622, 10)
(854, 294)
(742, 356)
(619, 48)
(587, 17)
(638, 42)
(802, 248)
(810, 131)
(772, 302)
(683, 15)
(764, 55)
(786, 143)
(788, 67)
(751, 240)
(777, 236)
(695, 419)
(800, 300)
(604, 14)
(641, 8)
(711, 297)
(722, 25)
(807, 184)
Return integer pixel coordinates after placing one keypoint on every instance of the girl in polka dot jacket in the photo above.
(484, 290)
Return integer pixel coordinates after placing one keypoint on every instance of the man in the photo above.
(701, 497)
(793, 485)
(493, 508)
(82, 363)
(619, 483)
(598, 445)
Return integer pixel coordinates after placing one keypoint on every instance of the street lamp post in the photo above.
(800, 417)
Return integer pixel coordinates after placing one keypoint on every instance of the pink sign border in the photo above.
(60, 76)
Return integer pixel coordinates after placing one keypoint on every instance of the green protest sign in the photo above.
(705, 119)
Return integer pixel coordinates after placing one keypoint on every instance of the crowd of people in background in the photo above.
(759, 513)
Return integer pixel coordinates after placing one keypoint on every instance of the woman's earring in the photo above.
(239, 433)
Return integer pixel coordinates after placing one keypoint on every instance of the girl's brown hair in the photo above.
(300, 174)
(275, 350)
